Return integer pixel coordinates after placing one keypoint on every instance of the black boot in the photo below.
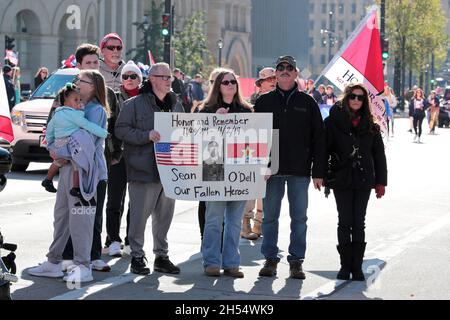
(358, 249)
(345, 253)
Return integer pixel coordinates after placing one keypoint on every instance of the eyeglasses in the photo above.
(131, 76)
(360, 97)
(76, 80)
(165, 78)
(282, 67)
(227, 82)
(270, 79)
(111, 48)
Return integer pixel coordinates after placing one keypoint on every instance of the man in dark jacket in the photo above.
(313, 92)
(7, 73)
(296, 116)
(135, 127)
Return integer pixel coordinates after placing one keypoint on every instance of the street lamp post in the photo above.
(330, 14)
(146, 25)
(220, 46)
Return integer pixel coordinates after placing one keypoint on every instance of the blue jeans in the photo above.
(298, 204)
(215, 213)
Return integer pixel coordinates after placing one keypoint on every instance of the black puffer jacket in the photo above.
(367, 166)
(302, 136)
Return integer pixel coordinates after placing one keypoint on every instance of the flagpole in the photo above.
(348, 41)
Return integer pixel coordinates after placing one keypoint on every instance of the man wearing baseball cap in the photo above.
(111, 65)
(301, 150)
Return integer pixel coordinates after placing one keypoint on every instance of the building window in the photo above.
(236, 17)
(341, 25)
(228, 16)
(311, 7)
(341, 8)
(242, 21)
(323, 24)
(311, 41)
(323, 43)
(324, 8)
(353, 25)
(353, 7)
(333, 8)
(311, 24)
(322, 59)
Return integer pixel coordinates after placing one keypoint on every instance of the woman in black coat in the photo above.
(357, 163)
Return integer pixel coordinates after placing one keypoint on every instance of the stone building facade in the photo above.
(46, 32)
(229, 20)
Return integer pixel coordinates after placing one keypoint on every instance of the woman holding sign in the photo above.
(223, 98)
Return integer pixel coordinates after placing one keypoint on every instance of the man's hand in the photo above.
(114, 162)
(154, 136)
(318, 183)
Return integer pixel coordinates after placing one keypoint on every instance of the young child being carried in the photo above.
(68, 118)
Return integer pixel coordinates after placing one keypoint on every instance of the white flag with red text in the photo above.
(359, 61)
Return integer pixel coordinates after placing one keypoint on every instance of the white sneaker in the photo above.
(415, 138)
(100, 265)
(114, 249)
(47, 269)
(79, 274)
(67, 265)
(127, 250)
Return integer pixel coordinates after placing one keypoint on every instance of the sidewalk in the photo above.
(184, 246)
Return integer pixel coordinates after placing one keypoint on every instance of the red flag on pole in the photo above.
(359, 60)
(6, 131)
(150, 56)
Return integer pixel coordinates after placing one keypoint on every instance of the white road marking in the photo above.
(26, 201)
(381, 256)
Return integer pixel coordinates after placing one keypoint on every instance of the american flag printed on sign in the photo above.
(176, 154)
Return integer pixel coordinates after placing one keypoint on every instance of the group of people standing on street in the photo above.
(345, 153)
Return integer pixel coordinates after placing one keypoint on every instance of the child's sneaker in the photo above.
(48, 185)
(76, 192)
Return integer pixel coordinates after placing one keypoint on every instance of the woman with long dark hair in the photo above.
(223, 98)
(357, 163)
(417, 106)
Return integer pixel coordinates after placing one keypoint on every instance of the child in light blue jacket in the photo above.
(68, 119)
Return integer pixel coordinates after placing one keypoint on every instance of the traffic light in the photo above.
(9, 43)
(385, 49)
(165, 24)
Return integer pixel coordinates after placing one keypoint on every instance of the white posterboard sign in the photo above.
(213, 157)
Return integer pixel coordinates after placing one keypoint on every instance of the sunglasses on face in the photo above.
(165, 78)
(360, 97)
(270, 79)
(111, 48)
(283, 67)
(227, 82)
(131, 76)
(77, 80)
